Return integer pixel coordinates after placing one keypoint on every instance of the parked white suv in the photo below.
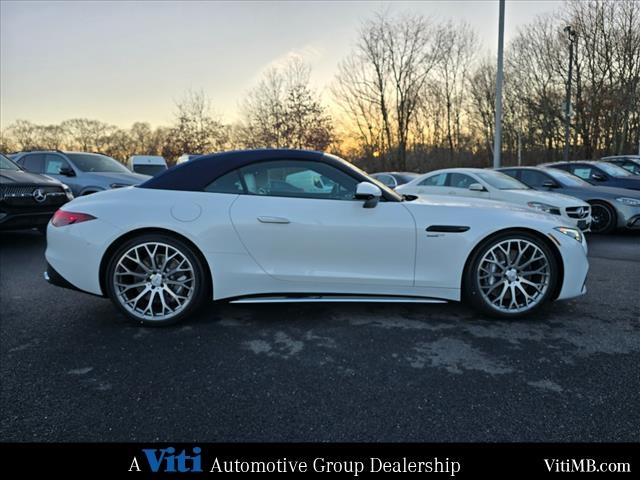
(492, 185)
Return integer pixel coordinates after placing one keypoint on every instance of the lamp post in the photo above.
(497, 139)
(573, 37)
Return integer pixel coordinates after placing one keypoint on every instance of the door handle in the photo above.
(273, 220)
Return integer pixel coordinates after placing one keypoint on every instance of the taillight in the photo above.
(62, 218)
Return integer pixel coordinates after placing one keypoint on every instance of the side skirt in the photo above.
(335, 298)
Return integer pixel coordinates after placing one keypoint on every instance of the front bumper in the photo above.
(17, 221)
(628, 216)
(575, 263)
(634, 222)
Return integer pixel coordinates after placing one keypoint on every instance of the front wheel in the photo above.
(603, 218)
(511, 275)
(156, 280)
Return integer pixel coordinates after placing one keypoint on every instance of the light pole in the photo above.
(497, 146)
(573, 37)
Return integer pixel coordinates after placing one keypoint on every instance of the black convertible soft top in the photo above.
(196, 174)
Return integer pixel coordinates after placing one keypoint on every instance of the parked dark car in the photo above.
(628, 162)
(599, 173)
(394, 179)
(610, 207)
(28, 200)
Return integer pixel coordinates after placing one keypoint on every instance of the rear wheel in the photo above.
(511, 275)
(156, 280)
(603, 217)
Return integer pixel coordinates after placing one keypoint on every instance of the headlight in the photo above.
(119, 185)
(67, 192)
(632, 202)
(545, 207)
(570, 232)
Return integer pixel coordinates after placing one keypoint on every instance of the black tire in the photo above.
(471, 289)
(201, 282)
(604, 218)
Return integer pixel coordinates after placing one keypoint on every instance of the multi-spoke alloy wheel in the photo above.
(512, 275)
(155, 280)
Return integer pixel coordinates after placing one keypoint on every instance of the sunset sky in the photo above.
(121, 62)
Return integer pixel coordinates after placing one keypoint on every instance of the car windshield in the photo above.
(614, 170)
(567, 179)
(501, 181)
(6, 164)
(94, 162)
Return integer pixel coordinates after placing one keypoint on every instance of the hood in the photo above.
(551, 198)
(478, 213)
(20, 176)
(468, 202)
(123, 178)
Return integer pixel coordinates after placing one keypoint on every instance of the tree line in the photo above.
(414, 94)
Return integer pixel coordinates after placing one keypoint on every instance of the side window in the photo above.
(34, 163)
(631, 167)
(434, 181)
(294, 178)
(53, 163)
(227, 183)
(460, 180)
(532, 178)
(582, 171)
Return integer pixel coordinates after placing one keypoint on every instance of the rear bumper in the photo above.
(52, 276)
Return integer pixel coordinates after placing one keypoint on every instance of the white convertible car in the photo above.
(493, 185)
(263, 226)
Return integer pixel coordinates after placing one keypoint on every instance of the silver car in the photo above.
(84, 173)
(611, 207)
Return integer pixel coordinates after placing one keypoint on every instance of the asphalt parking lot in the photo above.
(72, 371)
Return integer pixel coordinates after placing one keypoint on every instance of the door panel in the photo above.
(317, 240)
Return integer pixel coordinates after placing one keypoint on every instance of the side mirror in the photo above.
(598, 177)
(477, 187)
(368, 192)
(549, 184)
(67, 171)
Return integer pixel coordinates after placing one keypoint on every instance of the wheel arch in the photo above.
(547, 241)
(144, 231)
(607, 203)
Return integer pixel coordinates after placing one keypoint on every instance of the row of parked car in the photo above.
(35, 184)
(597, 196)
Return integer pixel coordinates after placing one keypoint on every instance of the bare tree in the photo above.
(195, 129)
(282, 111)
(23, 134)
(387, 73)
(483, 93)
